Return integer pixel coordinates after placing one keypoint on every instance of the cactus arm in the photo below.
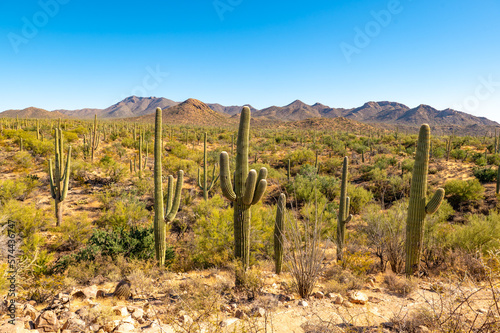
(249, 190)
(434, 204)
(225, 177)
(199, 180)
(67, 171)
(214, 178)
(348, 217)
(177, 199)
(51, 178)
(259, 192)
(170, 195)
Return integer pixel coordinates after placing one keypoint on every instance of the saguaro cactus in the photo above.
(94, 140)
(204, 186)
(59, 175)
(343, 216)
(248, 188)
(172, 201)
(278, 233)
(498, 180)
(418, 208)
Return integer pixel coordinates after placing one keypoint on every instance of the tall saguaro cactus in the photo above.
(205, 187)
(278, 233)
(172, 201)
(418, 208)
(59, 175)
(343, 217)
(248, 188)
(94, 140)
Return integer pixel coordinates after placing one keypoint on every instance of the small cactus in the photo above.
(278, 233)
(343, 216)
(122, 290)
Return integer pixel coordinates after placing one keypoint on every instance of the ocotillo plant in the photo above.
(248, 189)
(59, 175)
(343, 216)
(417, 208)
(278, 233)
(205, 187)
(172, 202)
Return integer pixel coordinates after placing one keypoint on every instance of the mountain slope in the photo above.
(296, 110)
(32, 112)
(190, 112)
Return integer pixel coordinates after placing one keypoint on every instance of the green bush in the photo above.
(359, 197)
(301, 156)
(459, 191)
(124, 211)
(485, 175)
(12, 189)
(22, 160)
(480, 233)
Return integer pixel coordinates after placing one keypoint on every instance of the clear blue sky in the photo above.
(95, 53)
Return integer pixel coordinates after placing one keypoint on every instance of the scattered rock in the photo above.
(347, 304)
(124, 328)
(30, 311)
(120, 311)
(185, 319)
(284, 298)
(228, 322)
(303, 303)
(318, 295)
(258, 312)
(239, 314)
(47, 321)
(100, 294)
(357, 297)
(74, 324)
(338, 299)
(373, 299)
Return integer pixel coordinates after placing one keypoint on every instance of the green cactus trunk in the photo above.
(205, 186)
(172, 201)
(498, 180)
(343, 216)
(59, 175)
(248, 189)
(417, 208)
(278, 233)
(159, 220)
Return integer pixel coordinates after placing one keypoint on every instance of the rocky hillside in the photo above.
(32, 112)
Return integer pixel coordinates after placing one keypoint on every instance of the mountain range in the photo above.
(195, 112)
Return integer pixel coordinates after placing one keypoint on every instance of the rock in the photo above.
(318, 295)
(258, 312)
(120, 311)
(47, 321)
(185, 319)
(82, 312)
(347, 304)
(30, 311)
(338, 299)
(228, 322)
(138, 314)
(94, 327)
(422, 329)
(239, 314)
(284, 298)
(303, 303)
(74, 324)
(156, 328)
(375, 300)
(100, 294)
(18, 327)
(357, 297)
(482, 310)
(124, 328)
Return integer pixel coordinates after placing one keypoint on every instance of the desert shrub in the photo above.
(493, 159)
(29, 222)
(407, 165)
(480, 233)
(399, 285)
(70, 137)
(272, 172)
(485, 175)
(80, 171)
(73, 234)
(172, 164)
(125, 211)
(338, 280)
(386, 234)
(359, 197)
(459, 191)
(358, 262)
(12, 189)
(22, 160)
(479, 159)
(307, 181)
(458, 154)
(300, 156)
(128, 142)
(384, 162)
